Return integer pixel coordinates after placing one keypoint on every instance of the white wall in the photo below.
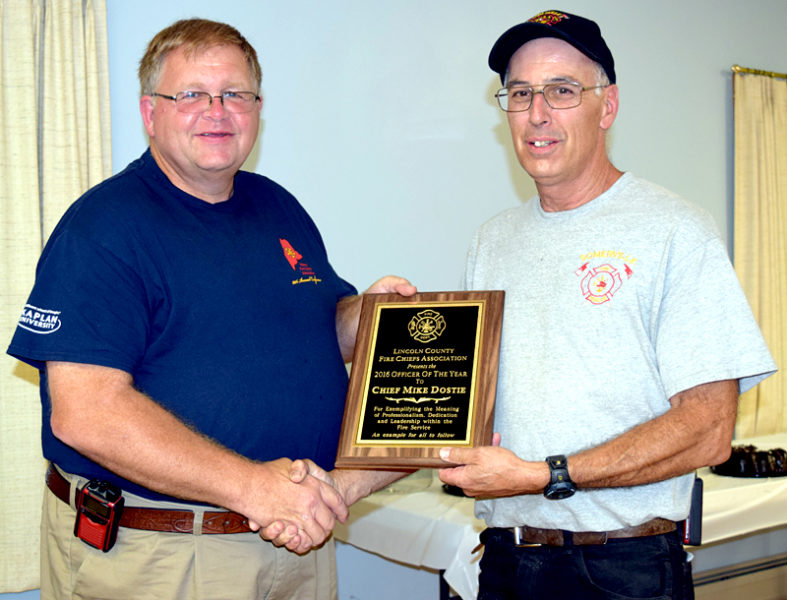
(379, 116)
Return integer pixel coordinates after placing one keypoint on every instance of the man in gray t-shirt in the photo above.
(626, 341)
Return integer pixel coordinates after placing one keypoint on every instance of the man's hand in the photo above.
(351, 484)
(289, 533)
(307, 510)
(348, 310)
(391, 284)
(492, 471)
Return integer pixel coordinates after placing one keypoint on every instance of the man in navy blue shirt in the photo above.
(190, 332)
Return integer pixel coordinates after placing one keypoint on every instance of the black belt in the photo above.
(157, 519)
(534, 536)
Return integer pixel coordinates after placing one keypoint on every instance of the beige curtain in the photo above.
(54, 144)
(760, 247)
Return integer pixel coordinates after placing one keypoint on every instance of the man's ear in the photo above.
(611, 102)
(146, 106)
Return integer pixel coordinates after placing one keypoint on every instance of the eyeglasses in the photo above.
(518, 98)
(197, 102)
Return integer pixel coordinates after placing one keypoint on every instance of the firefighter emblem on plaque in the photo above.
(426, 326)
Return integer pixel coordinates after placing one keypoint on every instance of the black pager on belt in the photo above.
(99, 505)
(692, 526)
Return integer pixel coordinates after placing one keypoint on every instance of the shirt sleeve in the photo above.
(98, 300)
(706, 331)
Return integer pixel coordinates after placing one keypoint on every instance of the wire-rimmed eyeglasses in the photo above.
(197, 102)
(518, 98)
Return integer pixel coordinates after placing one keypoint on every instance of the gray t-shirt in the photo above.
(611, 309)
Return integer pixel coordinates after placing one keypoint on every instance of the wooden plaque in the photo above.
(424, 376)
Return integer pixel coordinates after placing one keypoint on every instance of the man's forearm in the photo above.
(348, 311)
(142, 441)
(146, 444)
(357, 484)
(694, 433)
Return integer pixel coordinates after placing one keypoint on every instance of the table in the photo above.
(429, 528)
(739, 506)
(426, 528)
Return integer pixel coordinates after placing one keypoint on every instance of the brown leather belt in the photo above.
(155, 519)
(534, 536)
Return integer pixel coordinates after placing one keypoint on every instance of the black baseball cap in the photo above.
(578, 31)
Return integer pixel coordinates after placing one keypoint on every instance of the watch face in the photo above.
(559, 491)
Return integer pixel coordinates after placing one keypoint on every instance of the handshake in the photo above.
(301, 502)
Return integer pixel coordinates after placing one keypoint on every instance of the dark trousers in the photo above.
(652, 567)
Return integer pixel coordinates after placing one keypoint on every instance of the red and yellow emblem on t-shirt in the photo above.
(600, 283)
(295, 260)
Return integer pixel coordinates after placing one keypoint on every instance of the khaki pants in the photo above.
(171, 566)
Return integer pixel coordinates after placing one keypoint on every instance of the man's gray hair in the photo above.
(601, 77)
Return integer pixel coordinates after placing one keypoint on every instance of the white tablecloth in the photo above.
(425, 529)
(734, 507)
(433, 529)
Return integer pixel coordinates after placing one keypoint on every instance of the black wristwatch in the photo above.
(560, 485)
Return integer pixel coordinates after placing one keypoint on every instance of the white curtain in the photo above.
(54, 144)
(760, 246)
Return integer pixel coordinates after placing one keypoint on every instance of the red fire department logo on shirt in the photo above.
(599, 284)
(295, 259)
(290, 253)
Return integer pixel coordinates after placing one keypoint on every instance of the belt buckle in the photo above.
(518, 542)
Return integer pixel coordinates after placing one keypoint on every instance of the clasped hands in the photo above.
(310, 503)
(484, 472)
